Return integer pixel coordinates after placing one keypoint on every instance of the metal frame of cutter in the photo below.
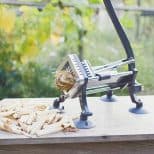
(101, 78)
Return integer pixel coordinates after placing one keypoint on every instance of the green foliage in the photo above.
(33, 43)
(127, 21)
(95, 1)
(129, 2)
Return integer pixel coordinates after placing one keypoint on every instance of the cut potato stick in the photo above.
(7, 113)
(10, 126)
(36, 126)
(51, 118)
(1, 125)
(24, 119)
(57, 118)
(31, 118)
(40, 107)
(54, 128)
(23, 126)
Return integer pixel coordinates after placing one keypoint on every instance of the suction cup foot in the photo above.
(105, 98)
(83, 124)
(61, 108)
(136, 110)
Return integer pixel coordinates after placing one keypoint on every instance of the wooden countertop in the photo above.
(113, 122)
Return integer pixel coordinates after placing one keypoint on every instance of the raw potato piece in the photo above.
(65, 80)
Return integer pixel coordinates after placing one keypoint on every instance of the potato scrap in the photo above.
(65, 80)
(33, 119)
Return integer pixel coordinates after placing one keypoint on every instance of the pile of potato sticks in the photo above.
(34, 119)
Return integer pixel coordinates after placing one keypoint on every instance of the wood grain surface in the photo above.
(82, 148)
(113, 122)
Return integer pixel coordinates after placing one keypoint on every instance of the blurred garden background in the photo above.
(35, 36)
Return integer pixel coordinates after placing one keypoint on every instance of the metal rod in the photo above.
(97, 89)
(113, 65)
(121, 33)
(107, 65)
